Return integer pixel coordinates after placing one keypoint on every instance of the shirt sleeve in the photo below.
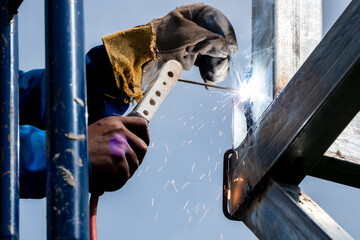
(32, 98)
(32, 162)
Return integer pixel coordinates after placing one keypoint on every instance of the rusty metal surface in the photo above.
(271, 216)
(313, 109)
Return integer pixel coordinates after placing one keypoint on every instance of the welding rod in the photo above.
(208, 85)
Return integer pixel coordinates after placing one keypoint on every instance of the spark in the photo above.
(139, 174)
(224, 118)
(238, 180)
(187, 183)
(190, 219)
(173, 183)
(204, 215)
(191, 118)
(202, 176)
(160, 168)
(152, 202)
(192, 127)
(217, 163)
(166, 184)
(203, 206)
(209, 172)
(221, 133)
(147, 169)
(184, 123)
(179, 119)
(183, 143)
(201, 126)
(214, 109)
(167, 149)
(157, 214)
(161, 117)
(193, 167)
(190, 141)
(197, 208)
(220, 151)
(187, 211)
(218, 196)
(165, 160)
(221, 237)
(186, 205)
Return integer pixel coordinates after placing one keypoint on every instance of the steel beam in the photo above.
(284, 33)
(337, 170)
(297, 31)
(67, 155)
(284, 211)
(9, 125)
(304, 120)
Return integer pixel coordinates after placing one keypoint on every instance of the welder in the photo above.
(194, 34)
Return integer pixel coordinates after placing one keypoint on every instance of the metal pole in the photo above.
(67, 157)
(9, 126)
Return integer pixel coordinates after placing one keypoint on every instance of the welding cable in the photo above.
(93, 208)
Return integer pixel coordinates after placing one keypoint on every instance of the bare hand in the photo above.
(117, 146)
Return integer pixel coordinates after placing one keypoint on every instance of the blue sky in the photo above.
(175, 193)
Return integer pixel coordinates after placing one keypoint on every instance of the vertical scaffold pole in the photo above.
(67, 157)
(9, 125)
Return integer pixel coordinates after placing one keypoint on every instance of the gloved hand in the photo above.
(191, 34)
(117, 146)
(194, 34)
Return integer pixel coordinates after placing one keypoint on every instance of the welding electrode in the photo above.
(208, 85)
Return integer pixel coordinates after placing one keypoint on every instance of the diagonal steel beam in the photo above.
(284, 211)
(303, 121)
(342, 171)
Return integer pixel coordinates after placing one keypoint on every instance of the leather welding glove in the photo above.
(194, 34)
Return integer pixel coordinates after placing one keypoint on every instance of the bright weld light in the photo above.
(250, 89)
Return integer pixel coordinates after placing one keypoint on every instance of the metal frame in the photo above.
(67, 154)
(67, 163)
(9, 125)
(288, 141)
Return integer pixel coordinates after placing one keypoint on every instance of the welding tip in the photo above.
(209, 85)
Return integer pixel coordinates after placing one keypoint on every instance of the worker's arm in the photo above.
(193, 34)
(110, 170)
